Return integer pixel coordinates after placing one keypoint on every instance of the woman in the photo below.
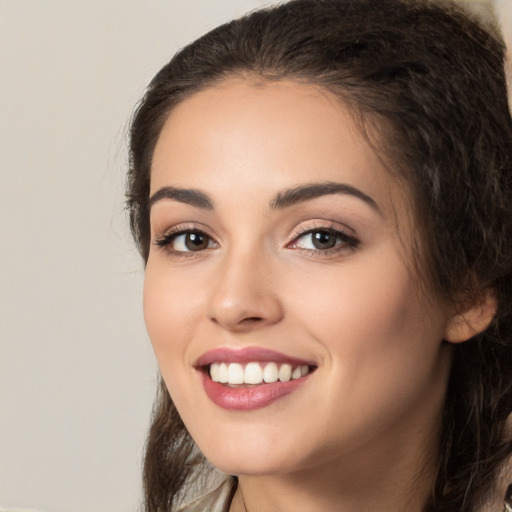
(322, 194)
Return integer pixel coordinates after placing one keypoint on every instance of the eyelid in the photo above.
(345, 233)
(181, 227)
(165, 240)
(346, 237)
(319, 225)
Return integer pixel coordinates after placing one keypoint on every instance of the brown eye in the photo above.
(195, 241)
(323, 239)
(186, 241)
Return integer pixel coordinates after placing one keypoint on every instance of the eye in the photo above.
(186, 241)
(324, 240)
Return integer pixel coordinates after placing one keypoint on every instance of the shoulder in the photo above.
(217, 500)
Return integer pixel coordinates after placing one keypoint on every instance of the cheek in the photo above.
(373, 326)
(170, 301)
(168, 313)
(382, 348)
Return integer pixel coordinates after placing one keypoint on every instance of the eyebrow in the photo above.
(281, 201)
(183, 195)
(313, 190)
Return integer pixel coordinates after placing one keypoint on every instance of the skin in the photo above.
(360, 434)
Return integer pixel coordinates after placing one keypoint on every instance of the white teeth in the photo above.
(214, 372)
(270, 373)
(285, 373)
(235, 374)
(296, 374)
(223, 373)
(255, 373)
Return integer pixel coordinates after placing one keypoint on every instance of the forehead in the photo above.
(263, 136)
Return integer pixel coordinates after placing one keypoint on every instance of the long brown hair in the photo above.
(429, 81)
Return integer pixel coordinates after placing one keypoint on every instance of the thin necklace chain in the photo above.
(243, 500)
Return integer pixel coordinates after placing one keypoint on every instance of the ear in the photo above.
(472, 319)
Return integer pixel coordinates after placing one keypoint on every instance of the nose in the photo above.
(245, 296)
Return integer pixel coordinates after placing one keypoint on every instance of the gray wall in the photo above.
(77, 374)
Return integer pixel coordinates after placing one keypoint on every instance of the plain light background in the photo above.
(77, 374)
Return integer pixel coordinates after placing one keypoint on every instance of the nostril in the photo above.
(247, 320)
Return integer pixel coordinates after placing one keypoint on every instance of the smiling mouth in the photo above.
(255, 373)
(251, 378)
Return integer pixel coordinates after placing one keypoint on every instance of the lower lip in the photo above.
(248, 398)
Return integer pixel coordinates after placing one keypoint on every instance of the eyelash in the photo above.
(170, 237)
(343, 241)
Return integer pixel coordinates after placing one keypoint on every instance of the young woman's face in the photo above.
(279, 296)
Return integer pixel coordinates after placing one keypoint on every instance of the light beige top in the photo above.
(217, 500)
(220, 499)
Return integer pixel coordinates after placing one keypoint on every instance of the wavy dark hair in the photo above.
(425, 81)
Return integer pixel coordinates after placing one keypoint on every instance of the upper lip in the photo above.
(248, 355)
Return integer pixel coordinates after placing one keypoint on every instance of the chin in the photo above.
(253, 467)
(255, 458)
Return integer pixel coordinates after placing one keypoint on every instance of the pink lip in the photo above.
(247, 355)
(247, 398)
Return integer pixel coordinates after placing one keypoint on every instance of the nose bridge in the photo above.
(245, 296)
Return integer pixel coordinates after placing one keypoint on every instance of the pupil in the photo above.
(196, 241)
(323, 240)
